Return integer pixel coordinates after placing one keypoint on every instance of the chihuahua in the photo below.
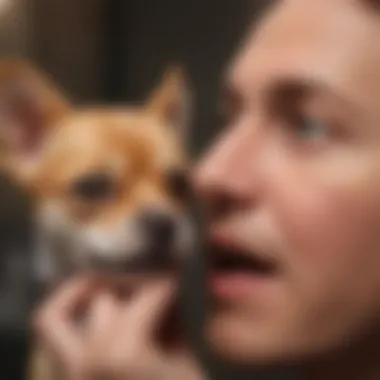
(109, 184)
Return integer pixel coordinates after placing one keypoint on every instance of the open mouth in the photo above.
(226, 260)
(237, 273)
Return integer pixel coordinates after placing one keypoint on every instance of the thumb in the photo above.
(150, 304)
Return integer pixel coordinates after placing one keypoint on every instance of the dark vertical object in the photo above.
(67, 43)
(114, 45)
(16, 282)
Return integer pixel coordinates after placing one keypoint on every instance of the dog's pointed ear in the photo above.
(171, 100)
(29, 107)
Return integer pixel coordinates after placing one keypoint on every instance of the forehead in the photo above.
(110, 139)
(332, 41)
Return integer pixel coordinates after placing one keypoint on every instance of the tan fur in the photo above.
(136, 146)
(108, 140)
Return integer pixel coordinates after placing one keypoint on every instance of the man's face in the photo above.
(292, 188)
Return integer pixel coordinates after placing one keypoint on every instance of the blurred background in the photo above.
(102, 51)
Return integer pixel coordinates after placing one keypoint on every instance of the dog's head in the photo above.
(110, 184)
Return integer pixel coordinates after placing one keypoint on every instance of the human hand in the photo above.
(120, 339)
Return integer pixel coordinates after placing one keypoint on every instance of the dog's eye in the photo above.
(94, 187)
(179, 184)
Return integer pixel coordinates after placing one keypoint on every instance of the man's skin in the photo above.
(294, 177)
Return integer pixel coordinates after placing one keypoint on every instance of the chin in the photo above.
(249, 344)
(230, 341)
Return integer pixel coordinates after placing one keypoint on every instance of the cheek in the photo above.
(331, 218)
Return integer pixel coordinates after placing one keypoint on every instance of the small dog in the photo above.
(110, 184)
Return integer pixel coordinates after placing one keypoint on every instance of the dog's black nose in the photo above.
(159, 227)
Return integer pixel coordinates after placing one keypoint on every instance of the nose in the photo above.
(223, 179)
(159, 227)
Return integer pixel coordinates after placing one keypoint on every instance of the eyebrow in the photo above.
(294, 85)
(293, 88)
(303, 86)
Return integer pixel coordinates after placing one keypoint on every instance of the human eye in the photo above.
(310, 128)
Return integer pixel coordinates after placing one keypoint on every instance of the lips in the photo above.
(236, 271)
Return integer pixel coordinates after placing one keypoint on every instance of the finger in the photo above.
(150, 304)
(62, 340)
(103, 313)
(67, 299)
(53, 321)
